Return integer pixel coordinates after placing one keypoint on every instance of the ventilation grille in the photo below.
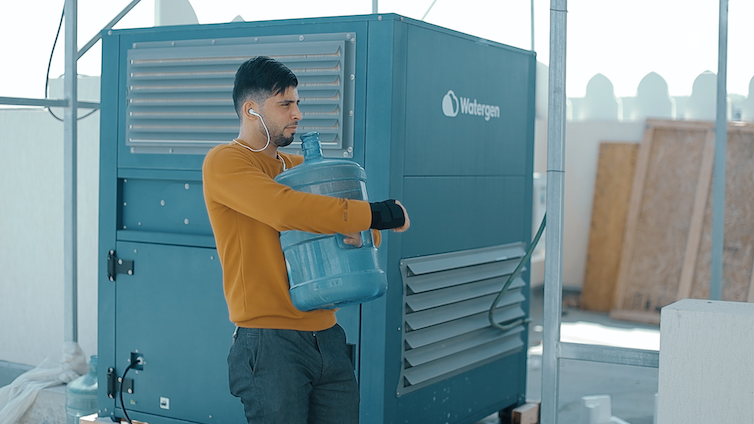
(447, 297)
(179, 95)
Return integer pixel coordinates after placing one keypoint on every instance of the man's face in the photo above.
(281, 115)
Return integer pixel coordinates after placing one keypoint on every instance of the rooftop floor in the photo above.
(632, 389)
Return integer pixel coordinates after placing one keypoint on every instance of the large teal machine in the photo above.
(442, 121)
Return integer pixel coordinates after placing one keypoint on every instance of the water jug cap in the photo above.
(310, 145)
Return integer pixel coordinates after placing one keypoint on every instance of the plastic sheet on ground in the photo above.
(61, 368)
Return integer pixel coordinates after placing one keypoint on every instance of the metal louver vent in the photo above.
(446, 299)
(179, 97)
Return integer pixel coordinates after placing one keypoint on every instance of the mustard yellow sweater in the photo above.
(247, 210)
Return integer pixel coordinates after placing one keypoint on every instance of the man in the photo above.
(287, 366)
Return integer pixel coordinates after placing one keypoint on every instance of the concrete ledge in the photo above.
(9, 371)
(48, 408)
(102, 420)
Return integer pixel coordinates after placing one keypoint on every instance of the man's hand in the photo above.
(353, 239)
(405, 214)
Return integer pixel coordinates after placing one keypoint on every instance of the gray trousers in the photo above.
(293, 377)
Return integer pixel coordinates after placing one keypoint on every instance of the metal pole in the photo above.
(721, 138)
(430, 8)
(70, 242)
(556, 123)
(532, 25)
(24, 101)
(111, 24)
(374, 6)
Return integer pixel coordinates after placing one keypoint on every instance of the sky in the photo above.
(622, 40)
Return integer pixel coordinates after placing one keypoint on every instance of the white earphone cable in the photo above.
(266, 130)
(268, 139)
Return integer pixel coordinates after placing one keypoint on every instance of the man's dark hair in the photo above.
(260, 78)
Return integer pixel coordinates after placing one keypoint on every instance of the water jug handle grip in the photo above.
(366, 237)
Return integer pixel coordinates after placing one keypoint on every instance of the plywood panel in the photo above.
(660, 215)
(751, 287)
(666, 250)
(612, 191)
(738, 244)
(697, 217)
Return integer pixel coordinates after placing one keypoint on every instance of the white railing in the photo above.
(652, 100)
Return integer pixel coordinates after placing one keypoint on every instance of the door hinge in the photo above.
(118, 266)
(111, 377)
(114, 384)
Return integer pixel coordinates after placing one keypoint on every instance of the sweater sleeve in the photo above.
(238, 181)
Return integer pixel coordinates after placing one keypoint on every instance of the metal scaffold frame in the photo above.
(553, 349)
(71, 105)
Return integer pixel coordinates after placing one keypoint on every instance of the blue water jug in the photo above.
(323, 271)
(81, 394)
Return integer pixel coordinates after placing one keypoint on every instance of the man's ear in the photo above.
(250, 105)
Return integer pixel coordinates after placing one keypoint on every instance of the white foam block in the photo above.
(706, 370)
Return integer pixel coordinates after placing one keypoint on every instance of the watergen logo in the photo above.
(451, 105)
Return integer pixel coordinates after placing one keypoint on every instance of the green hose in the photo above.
(491, 313)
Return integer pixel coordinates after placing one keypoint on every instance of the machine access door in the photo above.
(171, 310)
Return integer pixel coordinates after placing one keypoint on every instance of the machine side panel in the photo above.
(172, 311)
(392, 343)
(527, 207)
(382, 132)
(467, 106)
(466, 398)
(108, 217)
(465, 176)
(451, 213)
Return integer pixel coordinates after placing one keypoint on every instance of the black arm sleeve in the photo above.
(386, 215)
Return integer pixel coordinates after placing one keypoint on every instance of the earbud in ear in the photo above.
(252, 112)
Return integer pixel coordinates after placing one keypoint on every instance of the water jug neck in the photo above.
(310, 146)
(93, 365)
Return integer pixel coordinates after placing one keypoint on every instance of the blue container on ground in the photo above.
(81, 395)
(323, 271)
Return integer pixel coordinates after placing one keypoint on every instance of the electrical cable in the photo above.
(122, 380)
(491, 312)
(49, 65)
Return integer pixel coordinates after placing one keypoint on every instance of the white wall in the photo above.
(582, 150)
(31, 219)
(31, 232)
